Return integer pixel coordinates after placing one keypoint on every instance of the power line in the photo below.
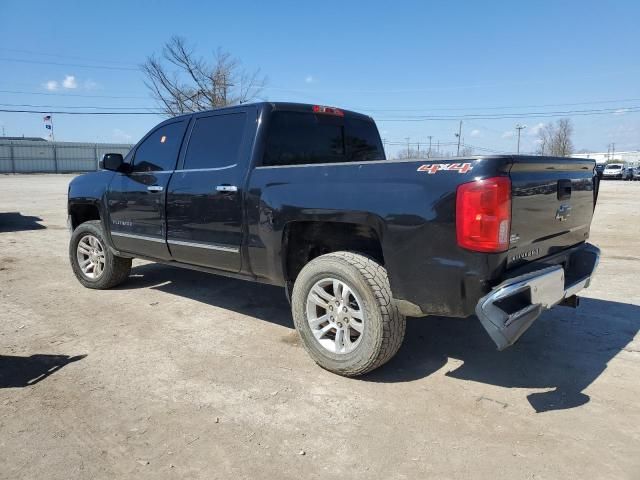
(632, 109)
(22, 92)
(504, 107)
(57, 55)
(78, 65)
(62, 112)
(72, 106)
(604, 111)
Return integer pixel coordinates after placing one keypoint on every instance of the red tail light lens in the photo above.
(328, 110)
(483, 214)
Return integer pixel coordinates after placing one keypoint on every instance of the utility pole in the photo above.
(429, 152)
(519, 128)
(459, 134)
(613, 151)
(418, 149)
(407, 139)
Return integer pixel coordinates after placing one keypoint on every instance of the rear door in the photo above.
(136, 199)
(204, 198)
(552, 205)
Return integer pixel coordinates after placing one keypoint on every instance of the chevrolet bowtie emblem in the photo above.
(563, 212)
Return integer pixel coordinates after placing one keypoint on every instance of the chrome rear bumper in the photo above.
(508, 310)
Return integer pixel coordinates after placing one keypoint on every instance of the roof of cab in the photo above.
(274, 106)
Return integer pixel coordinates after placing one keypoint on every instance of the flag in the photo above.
(47, 118)
(48, 127)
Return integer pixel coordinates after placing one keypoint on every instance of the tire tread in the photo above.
(393, 323)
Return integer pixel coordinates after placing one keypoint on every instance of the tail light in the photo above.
(483, 214)
(328, 110)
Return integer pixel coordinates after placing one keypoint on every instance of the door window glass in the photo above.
(215, 141)
(159, 150)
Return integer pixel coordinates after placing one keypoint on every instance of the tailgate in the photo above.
(552, 206)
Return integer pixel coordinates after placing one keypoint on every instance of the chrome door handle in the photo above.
(227, 188)
(155, 188)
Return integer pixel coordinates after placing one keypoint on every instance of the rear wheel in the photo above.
(345, 315)
(93, 262)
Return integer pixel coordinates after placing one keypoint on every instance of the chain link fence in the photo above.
(21, 156)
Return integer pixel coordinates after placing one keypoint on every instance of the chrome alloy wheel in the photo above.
(335, 315)
(91, 257)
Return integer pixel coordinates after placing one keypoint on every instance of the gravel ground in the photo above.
(180, 374)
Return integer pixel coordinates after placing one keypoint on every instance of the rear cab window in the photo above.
(299, 138)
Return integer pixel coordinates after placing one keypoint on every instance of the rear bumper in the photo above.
(510, 308)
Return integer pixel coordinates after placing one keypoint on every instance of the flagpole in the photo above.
(53, 139)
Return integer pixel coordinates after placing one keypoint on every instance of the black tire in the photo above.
(116, 269)
(384, 326)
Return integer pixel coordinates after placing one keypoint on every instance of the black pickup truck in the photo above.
(301, 196)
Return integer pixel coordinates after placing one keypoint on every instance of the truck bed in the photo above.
(410, 205)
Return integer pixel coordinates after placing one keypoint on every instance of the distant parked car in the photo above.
(599, 169)
(617, 171)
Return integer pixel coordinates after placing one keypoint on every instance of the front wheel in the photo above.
(93, 262)
(345, 315)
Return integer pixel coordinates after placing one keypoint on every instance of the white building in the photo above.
(630, 157)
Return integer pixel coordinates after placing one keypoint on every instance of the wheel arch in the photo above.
(302, 241)
(83, 211)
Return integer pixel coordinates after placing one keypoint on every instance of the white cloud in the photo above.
(621, 111)
(475, 133)
(508, 134)
(309, 79)
(70, 81)
(50, 85)
(121, 135)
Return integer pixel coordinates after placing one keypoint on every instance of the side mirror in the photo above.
(112, 161)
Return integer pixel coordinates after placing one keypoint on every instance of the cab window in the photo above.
(159, 151)
(215, 141)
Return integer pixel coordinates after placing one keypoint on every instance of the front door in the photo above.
(204, 197)
(137, 199)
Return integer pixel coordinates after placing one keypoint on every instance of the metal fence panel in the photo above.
(18, 156)
(34, 158)
(76, 158)
(6, 163)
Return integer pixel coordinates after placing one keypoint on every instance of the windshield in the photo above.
(614, 167)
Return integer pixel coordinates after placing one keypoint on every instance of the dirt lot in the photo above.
(179, 374)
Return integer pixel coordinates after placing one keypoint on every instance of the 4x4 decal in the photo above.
(432, 168)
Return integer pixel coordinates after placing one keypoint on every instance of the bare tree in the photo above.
(183, 82)
(545, 134)
(555, 140)
(563, 146)
(423, 154)
(466, 151)
(405, 153)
